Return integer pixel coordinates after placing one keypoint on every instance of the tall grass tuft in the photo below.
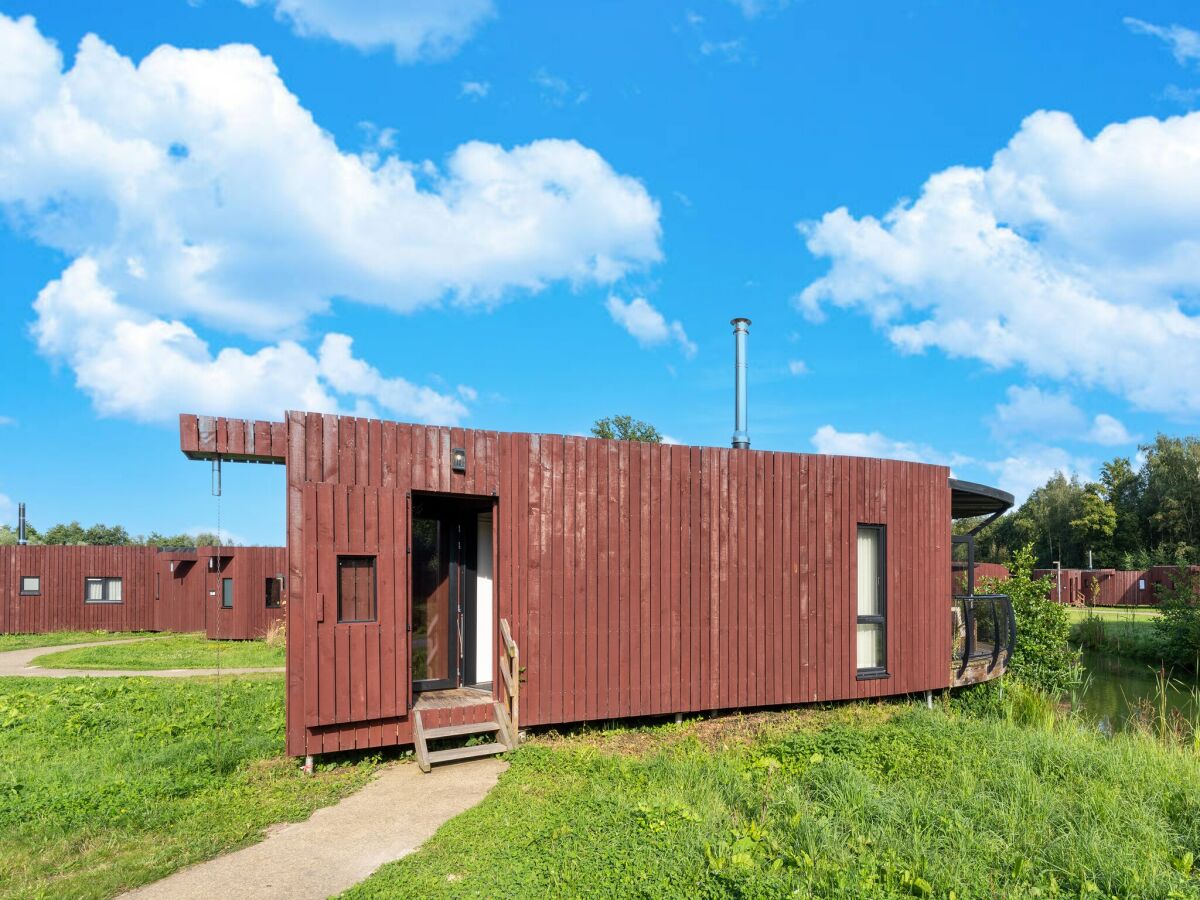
(275, 636)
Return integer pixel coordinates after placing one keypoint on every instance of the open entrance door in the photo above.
(452, 635)
(358, 597)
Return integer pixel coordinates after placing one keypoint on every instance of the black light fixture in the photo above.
(458, 459)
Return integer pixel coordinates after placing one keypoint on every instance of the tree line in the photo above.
(101, 535)
(1139, 513)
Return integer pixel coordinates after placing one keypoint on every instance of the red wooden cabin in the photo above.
(67, 588)
(631, 579)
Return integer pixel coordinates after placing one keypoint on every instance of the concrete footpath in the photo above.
(340, 845)
(17, 663)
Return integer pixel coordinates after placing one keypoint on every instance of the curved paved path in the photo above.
(339, 845)
(17, 663)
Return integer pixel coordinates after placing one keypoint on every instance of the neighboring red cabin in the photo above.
(60, 588)
(1110, 587)
(635, 579)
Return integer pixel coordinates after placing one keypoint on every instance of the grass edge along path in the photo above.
(173, 651)
(864, 800)
(108, 784)
(58, 638)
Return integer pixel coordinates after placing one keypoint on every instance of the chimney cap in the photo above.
(740, 319)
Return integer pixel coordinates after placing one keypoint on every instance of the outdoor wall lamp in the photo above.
(458, 459)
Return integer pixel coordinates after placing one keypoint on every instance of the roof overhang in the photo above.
(968, 500)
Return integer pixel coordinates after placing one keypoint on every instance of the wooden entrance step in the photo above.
(497, 725)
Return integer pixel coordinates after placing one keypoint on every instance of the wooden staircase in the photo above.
(498, 727)
(502, 726)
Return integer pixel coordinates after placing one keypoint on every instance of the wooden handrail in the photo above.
(510, 673)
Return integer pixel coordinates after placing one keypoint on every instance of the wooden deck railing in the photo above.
(510, 674)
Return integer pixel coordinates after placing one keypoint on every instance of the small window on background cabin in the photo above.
(226, 593)
(31, 584)
(872, 601)
(274, 592)
(102, 590)
(356, 589)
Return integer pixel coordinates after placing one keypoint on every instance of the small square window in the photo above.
(102, 590)
(356, 588)
(226, 593)
(275, 592)
(31, 585)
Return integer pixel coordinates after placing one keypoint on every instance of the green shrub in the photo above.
(1178, 626)
(1042, 657)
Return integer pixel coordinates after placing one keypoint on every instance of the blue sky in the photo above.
(967, 233)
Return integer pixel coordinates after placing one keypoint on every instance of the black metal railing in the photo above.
(984, 628)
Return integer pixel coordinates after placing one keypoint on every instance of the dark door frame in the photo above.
(458, 515)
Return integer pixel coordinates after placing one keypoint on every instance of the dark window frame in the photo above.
(226, 581)
(274, 580)
(374, 587)
(866, 673)
(36, 592)
(105, 590)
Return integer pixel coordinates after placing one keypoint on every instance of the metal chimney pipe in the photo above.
(21, 524)
(741, 437)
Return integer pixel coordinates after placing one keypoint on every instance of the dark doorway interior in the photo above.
(444, 611)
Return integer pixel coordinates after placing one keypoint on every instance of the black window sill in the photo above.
(104, 602)
(31, 593)
(873, 674)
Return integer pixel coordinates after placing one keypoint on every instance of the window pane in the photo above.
(356, 588)
(95, 590)
(868, 572)
(114, 590)
(31, 584)
(227, 593)
(274, 593)
(870, 646)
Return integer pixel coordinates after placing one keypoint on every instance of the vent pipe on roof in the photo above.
(21, 525)
(741, 437)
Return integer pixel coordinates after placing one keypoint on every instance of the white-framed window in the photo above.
(102, 590)
(31, 585)
(872, 601)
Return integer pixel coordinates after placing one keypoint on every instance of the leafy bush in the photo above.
(1042, 657)
(1178, 626)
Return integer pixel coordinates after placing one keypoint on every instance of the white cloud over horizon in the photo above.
(193, 189)
(1018, 472)
(1053, 414)
(647, 325)
(413, 29)
(1075, 259)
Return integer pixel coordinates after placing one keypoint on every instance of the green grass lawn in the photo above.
(176, 651)
(57, 638)
(110, 783)
(1127, 633)
(1113, 613)
(862, 801)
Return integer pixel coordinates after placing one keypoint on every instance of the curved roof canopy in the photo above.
(968, 499)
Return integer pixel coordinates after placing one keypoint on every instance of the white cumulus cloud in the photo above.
(1053, 414)
(192, 189)
(413, 29)
(647, 325)
(1075, 258)
(797, 367)
(476, 90)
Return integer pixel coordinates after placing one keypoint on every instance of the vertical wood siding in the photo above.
(639, 579)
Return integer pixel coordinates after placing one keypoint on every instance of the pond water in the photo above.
(1114, 687)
